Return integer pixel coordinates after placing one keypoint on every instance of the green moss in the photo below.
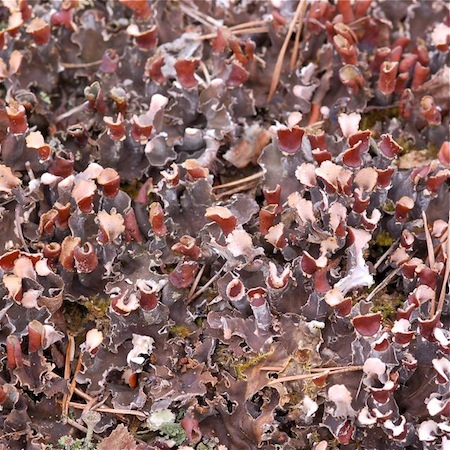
(242, 367)
(388, 206)
(387, 305)
(371, 118)
(76, 316)
(384, 239)
(180, 331)
(97, 306)
(131, 188)
(406, 144)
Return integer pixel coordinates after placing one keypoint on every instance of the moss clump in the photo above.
(242, 367)
(180, 331)
(76, 316)
(384, 239)
(387, 305)
(370, 119)
(97, 306)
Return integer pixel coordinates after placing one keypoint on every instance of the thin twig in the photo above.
(315, 375)
(80, 65)
(430, 249)
(130, 412)
(272, 368)
(83, 395)
(72, 111)
(254, 30)
(79, 427)
(205, 73)
(431, 260)
(253, 23)
(195, 283)
(384, 283)
(255, 176)
(68, 359)
(199, 16)
(242, 188)
(279, 63)
(294, 53)
(205, 286)
(386, 254)
(66, 399)
(446, 273)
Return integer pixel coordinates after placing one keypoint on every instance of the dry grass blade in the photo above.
(279, 63)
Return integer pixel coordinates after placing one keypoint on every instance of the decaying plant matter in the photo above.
(225, 224)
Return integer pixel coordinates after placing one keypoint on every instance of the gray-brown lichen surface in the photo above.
(225, 225)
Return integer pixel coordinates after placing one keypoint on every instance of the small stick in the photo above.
(79, 427)
(199, 16)
(294, 53)
(429, 241)
(68, 359)
(195, 283)
(384, 283)
(254, 30)
(385, 254)
(314, 115)
(130, 412)
(81, 64)
(72, 111)
(272, 368)
(204, 287)
(279, 63)
(67, 397)
(248, 24)
(315, 375)
(205, 73)
(237, 189)
(446, 273)
(83, 395)
(255, 176)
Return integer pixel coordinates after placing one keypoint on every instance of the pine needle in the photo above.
(298, 34)
(279, 63)
(446, 273)
(255, 176)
